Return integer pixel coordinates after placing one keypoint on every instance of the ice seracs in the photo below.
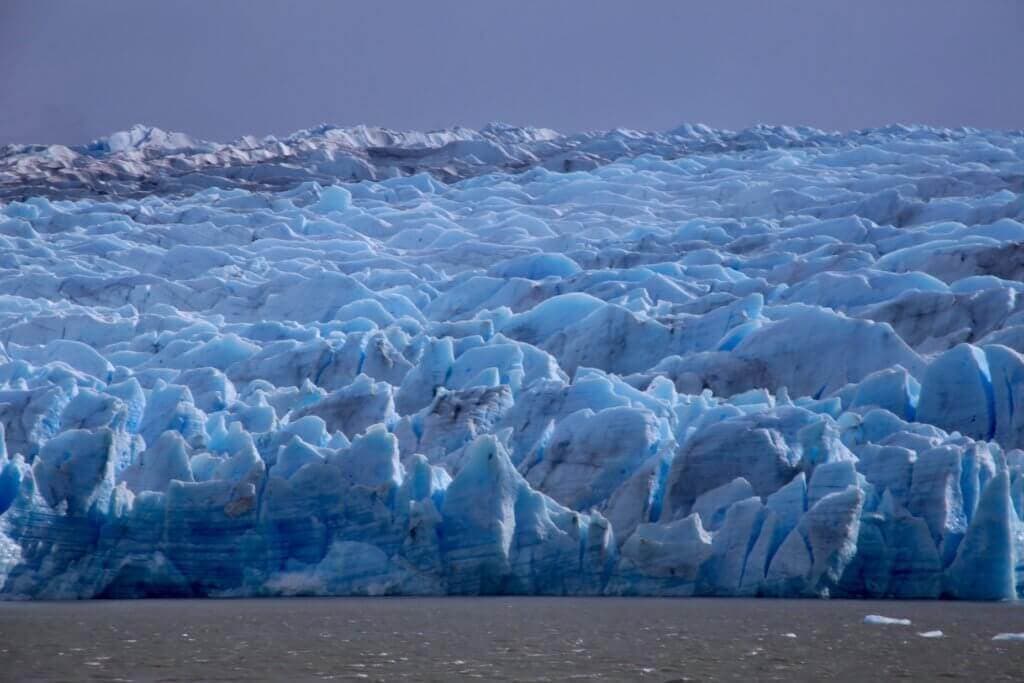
(777, 362)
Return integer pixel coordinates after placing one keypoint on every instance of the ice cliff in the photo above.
(775, 362)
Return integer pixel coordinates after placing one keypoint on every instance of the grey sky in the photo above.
(71, 71)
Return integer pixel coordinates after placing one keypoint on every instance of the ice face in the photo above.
(359, 361)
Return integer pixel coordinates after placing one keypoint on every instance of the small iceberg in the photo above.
(885, 621)
(1008, 636)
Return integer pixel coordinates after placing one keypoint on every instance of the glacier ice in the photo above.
(774, 362)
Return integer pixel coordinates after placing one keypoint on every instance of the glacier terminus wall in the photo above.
(775, 362)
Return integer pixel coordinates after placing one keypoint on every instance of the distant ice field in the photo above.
(778, 362)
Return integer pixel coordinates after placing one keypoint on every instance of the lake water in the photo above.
(530, 639)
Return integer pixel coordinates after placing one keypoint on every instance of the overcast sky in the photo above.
(71, 71)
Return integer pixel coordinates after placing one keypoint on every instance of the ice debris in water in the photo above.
(776, 362)
(885, 621)
(931, 634)
(1008, 636)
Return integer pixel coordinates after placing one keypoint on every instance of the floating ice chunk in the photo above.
(885, 621)
(931, 634)
(1008, 636)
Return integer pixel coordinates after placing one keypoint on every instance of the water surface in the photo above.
(529, 639)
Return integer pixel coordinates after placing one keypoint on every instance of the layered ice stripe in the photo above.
(778, 362)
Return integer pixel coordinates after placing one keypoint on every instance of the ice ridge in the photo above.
(778, 362)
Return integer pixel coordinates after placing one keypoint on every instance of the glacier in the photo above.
(354, 361)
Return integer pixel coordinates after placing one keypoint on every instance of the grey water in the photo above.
(500, 639)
